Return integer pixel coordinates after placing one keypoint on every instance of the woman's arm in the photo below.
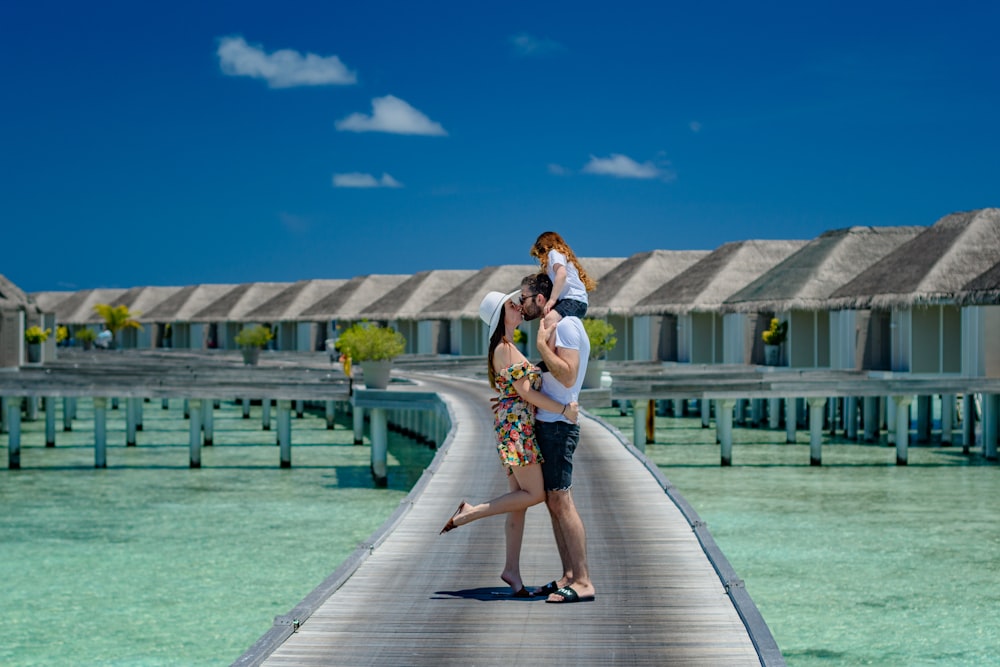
(523, 387)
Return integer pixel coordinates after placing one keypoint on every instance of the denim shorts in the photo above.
(558, 441)
(571, 308)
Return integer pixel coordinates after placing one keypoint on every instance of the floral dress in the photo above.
(515, 417)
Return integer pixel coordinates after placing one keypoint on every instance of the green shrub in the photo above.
(85, 335)
(601, 335)
(36, 334)
(255, 336)
(776, 334)
(369, 342)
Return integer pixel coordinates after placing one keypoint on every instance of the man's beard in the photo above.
(530, 311)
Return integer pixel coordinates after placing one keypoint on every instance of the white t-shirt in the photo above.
(570, 335)
(573, 289)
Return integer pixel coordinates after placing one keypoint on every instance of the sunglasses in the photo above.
(519, 299)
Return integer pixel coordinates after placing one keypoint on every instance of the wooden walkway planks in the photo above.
(425, 599)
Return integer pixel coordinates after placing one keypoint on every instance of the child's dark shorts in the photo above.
(571, 308)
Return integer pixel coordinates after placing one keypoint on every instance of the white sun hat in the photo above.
(492, 307)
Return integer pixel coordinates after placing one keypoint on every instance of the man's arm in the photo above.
(562, 362)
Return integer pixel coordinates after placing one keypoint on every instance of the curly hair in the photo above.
(547, 241)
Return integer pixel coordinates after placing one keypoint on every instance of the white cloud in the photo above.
(558, 169)
(391, 114)
(360, 180)
(526, 45)
(622, 166)
(282, 69)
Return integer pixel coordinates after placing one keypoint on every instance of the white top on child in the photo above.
(573, 289)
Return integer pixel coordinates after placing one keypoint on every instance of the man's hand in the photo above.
(544, 332)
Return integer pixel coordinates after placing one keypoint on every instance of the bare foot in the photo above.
(452, 522)
(514, 581)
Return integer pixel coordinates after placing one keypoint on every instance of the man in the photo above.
(565, 349)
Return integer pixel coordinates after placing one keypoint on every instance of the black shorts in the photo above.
(558, 441)
(571, 308)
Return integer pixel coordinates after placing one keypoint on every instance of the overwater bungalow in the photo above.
(18, 311)
(283, 311)
(225, 316)
(687, 310)
(797, 289)
(172, 318)
(139, 301)
(922, 283)
(403, 309)
(460, 307)
(346, 303)
(628, 283)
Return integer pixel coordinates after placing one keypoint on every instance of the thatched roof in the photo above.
(933, 267)
(140, 300)
(349, 300)
(234, 305)
(182, 306)
(291, 301)
(636, 278)
(48, 301)
(711, 280)
(984, 289)
(598, 267)
(78, 307)
(409, 300)
(463, 301)
(13, 297)
(806, 279)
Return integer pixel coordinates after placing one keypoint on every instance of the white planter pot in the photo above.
(376, 373)
(592, 378)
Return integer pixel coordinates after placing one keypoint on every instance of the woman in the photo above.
(517, 380)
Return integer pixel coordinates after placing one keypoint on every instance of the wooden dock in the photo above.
(665, 593)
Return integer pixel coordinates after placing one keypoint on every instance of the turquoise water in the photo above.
(151, 563)
(857, 562)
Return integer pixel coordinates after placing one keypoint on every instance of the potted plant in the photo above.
(250, 340)
(602, 340)
(117, 318)
(773, 338)
(62, 334)
(373, 347)
(35, 336)
(86, 337)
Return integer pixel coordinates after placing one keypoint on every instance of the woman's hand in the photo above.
(572, 412)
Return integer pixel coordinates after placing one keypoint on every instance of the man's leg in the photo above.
(574, 536)
(557, 532)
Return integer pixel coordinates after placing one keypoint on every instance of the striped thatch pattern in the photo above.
(598, 267)
(636, 278)
(706, 284)
(48, 301)
(931, 268)
(411, 298)
(78, 308)
(349, 300)
(183, 305)
(984, 289)
(13, 297)
(140, 300)
(291, 301)
(807, 278)
(463, 301)
(234, 305)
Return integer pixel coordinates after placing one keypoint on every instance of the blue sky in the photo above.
(154, 143)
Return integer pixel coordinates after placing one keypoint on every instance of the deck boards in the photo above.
(425, 599)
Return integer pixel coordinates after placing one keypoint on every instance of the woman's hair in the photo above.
(547, 241)
(495, 340)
